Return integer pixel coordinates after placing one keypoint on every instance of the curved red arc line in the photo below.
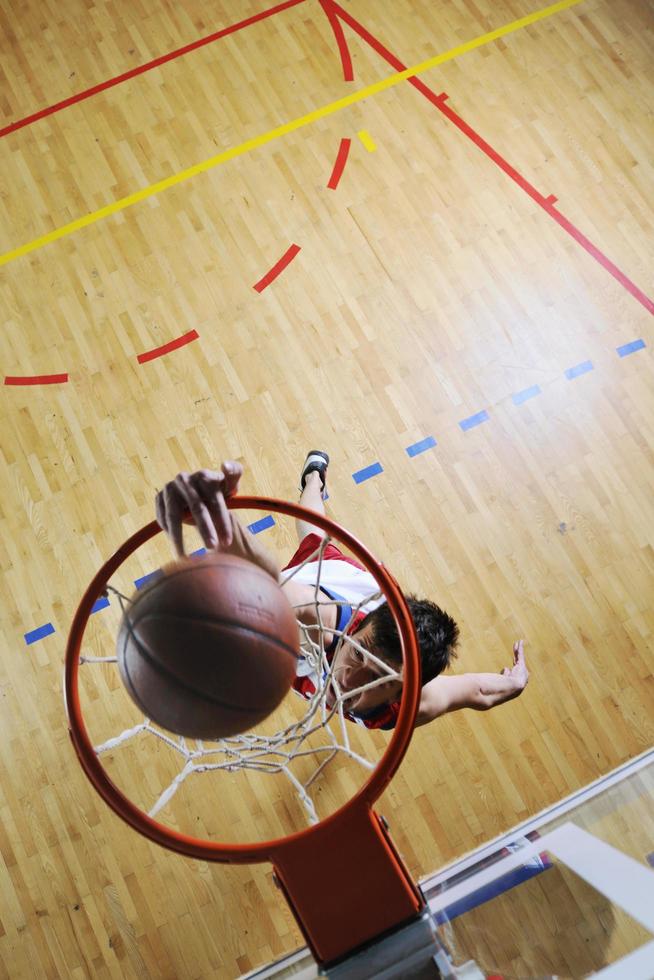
(339, 35)
(339, 163)
(167, 348)
(277, 269)
(140, 69)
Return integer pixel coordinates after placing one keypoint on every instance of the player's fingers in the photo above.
(233, 472)
(211, 488)
(172, 508)
(222, 519)
(160, 511)
(199, 510)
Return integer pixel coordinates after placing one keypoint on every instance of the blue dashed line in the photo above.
(140, 582)
(361, 475)
(578, 369)
(522, 396)
(367, 472)
(255, 528)
(630, 348)
(39, 633)
(261, 525)
(474, 420)
(420, 447)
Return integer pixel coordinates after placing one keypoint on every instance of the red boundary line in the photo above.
(166, 348)
(339, 163)
(278, 268)
(546, 203)
(343, 49)
(140, 69)
(37, 379)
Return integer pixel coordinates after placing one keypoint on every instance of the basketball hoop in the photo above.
(350, 845)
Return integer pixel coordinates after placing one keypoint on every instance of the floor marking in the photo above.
(546, 203)
(630, 348)
(522, 396)
(294, 124)
(39, 633)
(182, 341)
(603, 260)
(261, 524)
(339, 163)
(277, 269)
(367, 140)
(474, 420)
(155, 63)
(150, 577)
(420, 447)
(341, 43)
(367, 472)
(359, 477)
(578, 369)
(37, 379)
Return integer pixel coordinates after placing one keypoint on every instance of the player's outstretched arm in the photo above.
(479, 691)
(203, 494)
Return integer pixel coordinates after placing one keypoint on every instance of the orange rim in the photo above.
(261, 850)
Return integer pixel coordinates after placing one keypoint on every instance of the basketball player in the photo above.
(203, 493)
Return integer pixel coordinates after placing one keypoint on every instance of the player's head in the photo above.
(437, 633)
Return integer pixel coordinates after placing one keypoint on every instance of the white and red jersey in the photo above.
(347, 582)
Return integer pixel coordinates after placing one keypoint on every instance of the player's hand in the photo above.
(203, 493)
(519, 671)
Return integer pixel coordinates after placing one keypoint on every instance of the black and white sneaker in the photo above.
(316, 462)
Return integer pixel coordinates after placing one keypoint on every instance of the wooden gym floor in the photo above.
(478, 272)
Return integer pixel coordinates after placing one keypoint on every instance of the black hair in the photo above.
(438, 635)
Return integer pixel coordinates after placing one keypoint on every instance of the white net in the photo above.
(322, 732)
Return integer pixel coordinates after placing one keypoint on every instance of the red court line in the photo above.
(603, 260)
(278, 268)
(343, 49)
(546, 203)
(140, 69)
(339, 163)
(37, 379)
(166, 348)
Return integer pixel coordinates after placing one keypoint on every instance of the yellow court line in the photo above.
(367, 140)
(289, 127)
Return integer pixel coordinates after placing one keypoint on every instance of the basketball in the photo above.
(209, 649)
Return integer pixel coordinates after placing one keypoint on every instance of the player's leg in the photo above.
(312, 484)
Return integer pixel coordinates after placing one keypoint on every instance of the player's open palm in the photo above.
(519, 671)
(203, 495)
